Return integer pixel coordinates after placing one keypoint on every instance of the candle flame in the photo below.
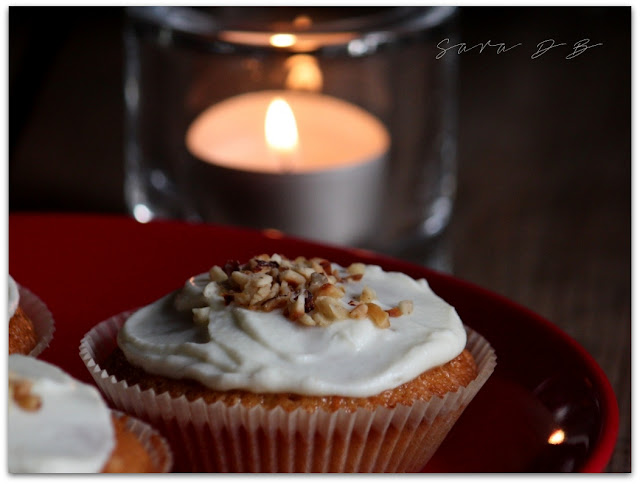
(280, 129)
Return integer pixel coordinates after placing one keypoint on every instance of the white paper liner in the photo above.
(155, 444)
(40, 316)
(220, 438)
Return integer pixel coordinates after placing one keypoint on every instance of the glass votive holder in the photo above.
(333, 124)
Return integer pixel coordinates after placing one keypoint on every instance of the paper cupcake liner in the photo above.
(220, 438)
(41, 318)
(153, 443)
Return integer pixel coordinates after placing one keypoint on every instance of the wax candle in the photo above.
(314, 171)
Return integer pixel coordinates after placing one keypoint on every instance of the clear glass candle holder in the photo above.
(359, 150)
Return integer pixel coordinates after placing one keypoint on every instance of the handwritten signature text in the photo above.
(575, 49)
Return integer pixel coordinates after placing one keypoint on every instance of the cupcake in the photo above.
(30, 322)
(301, 365)
(56, 424)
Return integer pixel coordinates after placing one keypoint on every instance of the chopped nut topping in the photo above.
(406, 306)
(394, 312)
(20, 392)
(368, 295)
(356, 268)
(331, 308)
(309, 291)
(379, 317)
(201, 315)
(217, 274)
(307, 320)
(240, 278)
(296, 307)
(316, 281)
(275, 303)
(359, 312)
(293, 277)
(329, 290)
(321, 320)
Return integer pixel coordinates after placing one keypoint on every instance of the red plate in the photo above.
(547, 408)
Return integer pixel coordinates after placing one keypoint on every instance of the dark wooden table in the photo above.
(543, 211)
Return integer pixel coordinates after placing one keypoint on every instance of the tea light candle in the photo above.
(307, 164)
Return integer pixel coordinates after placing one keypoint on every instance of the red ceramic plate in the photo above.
(548, 407)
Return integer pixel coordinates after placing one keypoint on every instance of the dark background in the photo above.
(543, 211)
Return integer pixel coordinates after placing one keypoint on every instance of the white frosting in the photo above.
(265, 352)
(72, 431)
(14, 297)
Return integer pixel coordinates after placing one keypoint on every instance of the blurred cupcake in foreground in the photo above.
(281, 365)
(56, 424)
(31, 325)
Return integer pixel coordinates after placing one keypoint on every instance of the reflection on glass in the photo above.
(303, 73)
(557, 437)
(282, 40)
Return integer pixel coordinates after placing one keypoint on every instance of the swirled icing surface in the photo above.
(241, 348)
(13, 298)
(69, 431)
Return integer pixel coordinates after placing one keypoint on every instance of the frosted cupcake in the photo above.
(59, 425)
(31, 325)
(301, 365)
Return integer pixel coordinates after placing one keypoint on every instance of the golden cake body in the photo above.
(22, 333)
(31, 325)
(304, 349)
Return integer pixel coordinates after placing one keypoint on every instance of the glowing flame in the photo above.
(282, 40)
(557, 437)
(280, 129)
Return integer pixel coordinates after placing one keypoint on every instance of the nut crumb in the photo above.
(406, 306)
(329, 290)
(293, 277)
(359, 312)
(217, 274)
(368, 295)
(20, 393)
(201, 315)
(307, 320)
(394, 312)
(357, 268)
(379, 317)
